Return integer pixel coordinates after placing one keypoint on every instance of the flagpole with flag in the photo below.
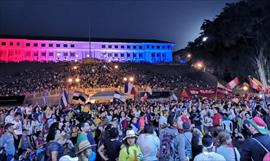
(232, 84)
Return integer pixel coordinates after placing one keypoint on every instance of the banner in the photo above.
(204, 92)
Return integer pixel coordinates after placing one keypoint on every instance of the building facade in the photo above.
(46, 50)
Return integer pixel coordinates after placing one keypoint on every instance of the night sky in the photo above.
(177, 21)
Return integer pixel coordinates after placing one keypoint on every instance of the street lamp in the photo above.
(70, 80)
(245, 88)
(189, 56)
(116, 67)
(131, 79)
(125, 79)
(75, 67)
(204, 38)
(77, 80)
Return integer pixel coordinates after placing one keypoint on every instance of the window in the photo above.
(35, 53)
(134, 47)
(158, 55)
(43, 54)
(158, 47)
(153, 54)
(65, 54)
(122, 54)
(147, 46)
(11, 43)
(109, 54)
(128, 55)
(122, 47)
(140, 55)
(43, 45)
(128, 47)
(164, 55)
(72, 54)
(27, 44)
(35, 44)
(72, 45)
(110, 46)
(18, 44)
(140, 47)
(65, 45)
(58, 45)
(163, 47)
(153, 47)
(3, 43)
(28, 54)
(116, 55)
(116, 46)
(50, 53)
(103, 46)
(134, 54)
(169, 46)
(50, 45)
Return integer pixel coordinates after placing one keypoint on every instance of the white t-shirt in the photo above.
(209, 156)
(28, 110)
(9, 119)
(18, 127)
(149, 144)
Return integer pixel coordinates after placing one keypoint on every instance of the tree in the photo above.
(236, 37)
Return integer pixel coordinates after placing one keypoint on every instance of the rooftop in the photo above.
(82, 39)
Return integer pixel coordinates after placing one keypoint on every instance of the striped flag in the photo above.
(80, 96)
(232, 84)
(255, 84)
(117, 97)
(64, 99)
(129, 88)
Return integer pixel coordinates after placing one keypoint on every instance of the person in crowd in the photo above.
(85, 132)
(110, 149)
(54, 150)
(166, 137)
(84, 151)
(227, 124)
(208, 153)
(10, 117)
(256, 147)
(25, 142)
(18, 128)
(182, 142)
(149, 143)
(7, 141)
(130, 151)
(196, 142)
(226, 148)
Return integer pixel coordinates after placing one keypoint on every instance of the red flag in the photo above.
(232, 84)
(255, 84)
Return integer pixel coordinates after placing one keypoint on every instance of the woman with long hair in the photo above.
(54, 149)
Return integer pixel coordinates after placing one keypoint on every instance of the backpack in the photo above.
(166, 146)
(267, 155)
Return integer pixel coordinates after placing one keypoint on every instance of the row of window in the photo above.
(37, 45)
(129, 55)
(136, 47)
(122, 55)
(44, 54)
(72, 45)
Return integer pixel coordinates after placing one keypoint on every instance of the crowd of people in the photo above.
(199, 129)
(93, 74)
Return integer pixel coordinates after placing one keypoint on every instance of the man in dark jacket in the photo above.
(252, 148)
